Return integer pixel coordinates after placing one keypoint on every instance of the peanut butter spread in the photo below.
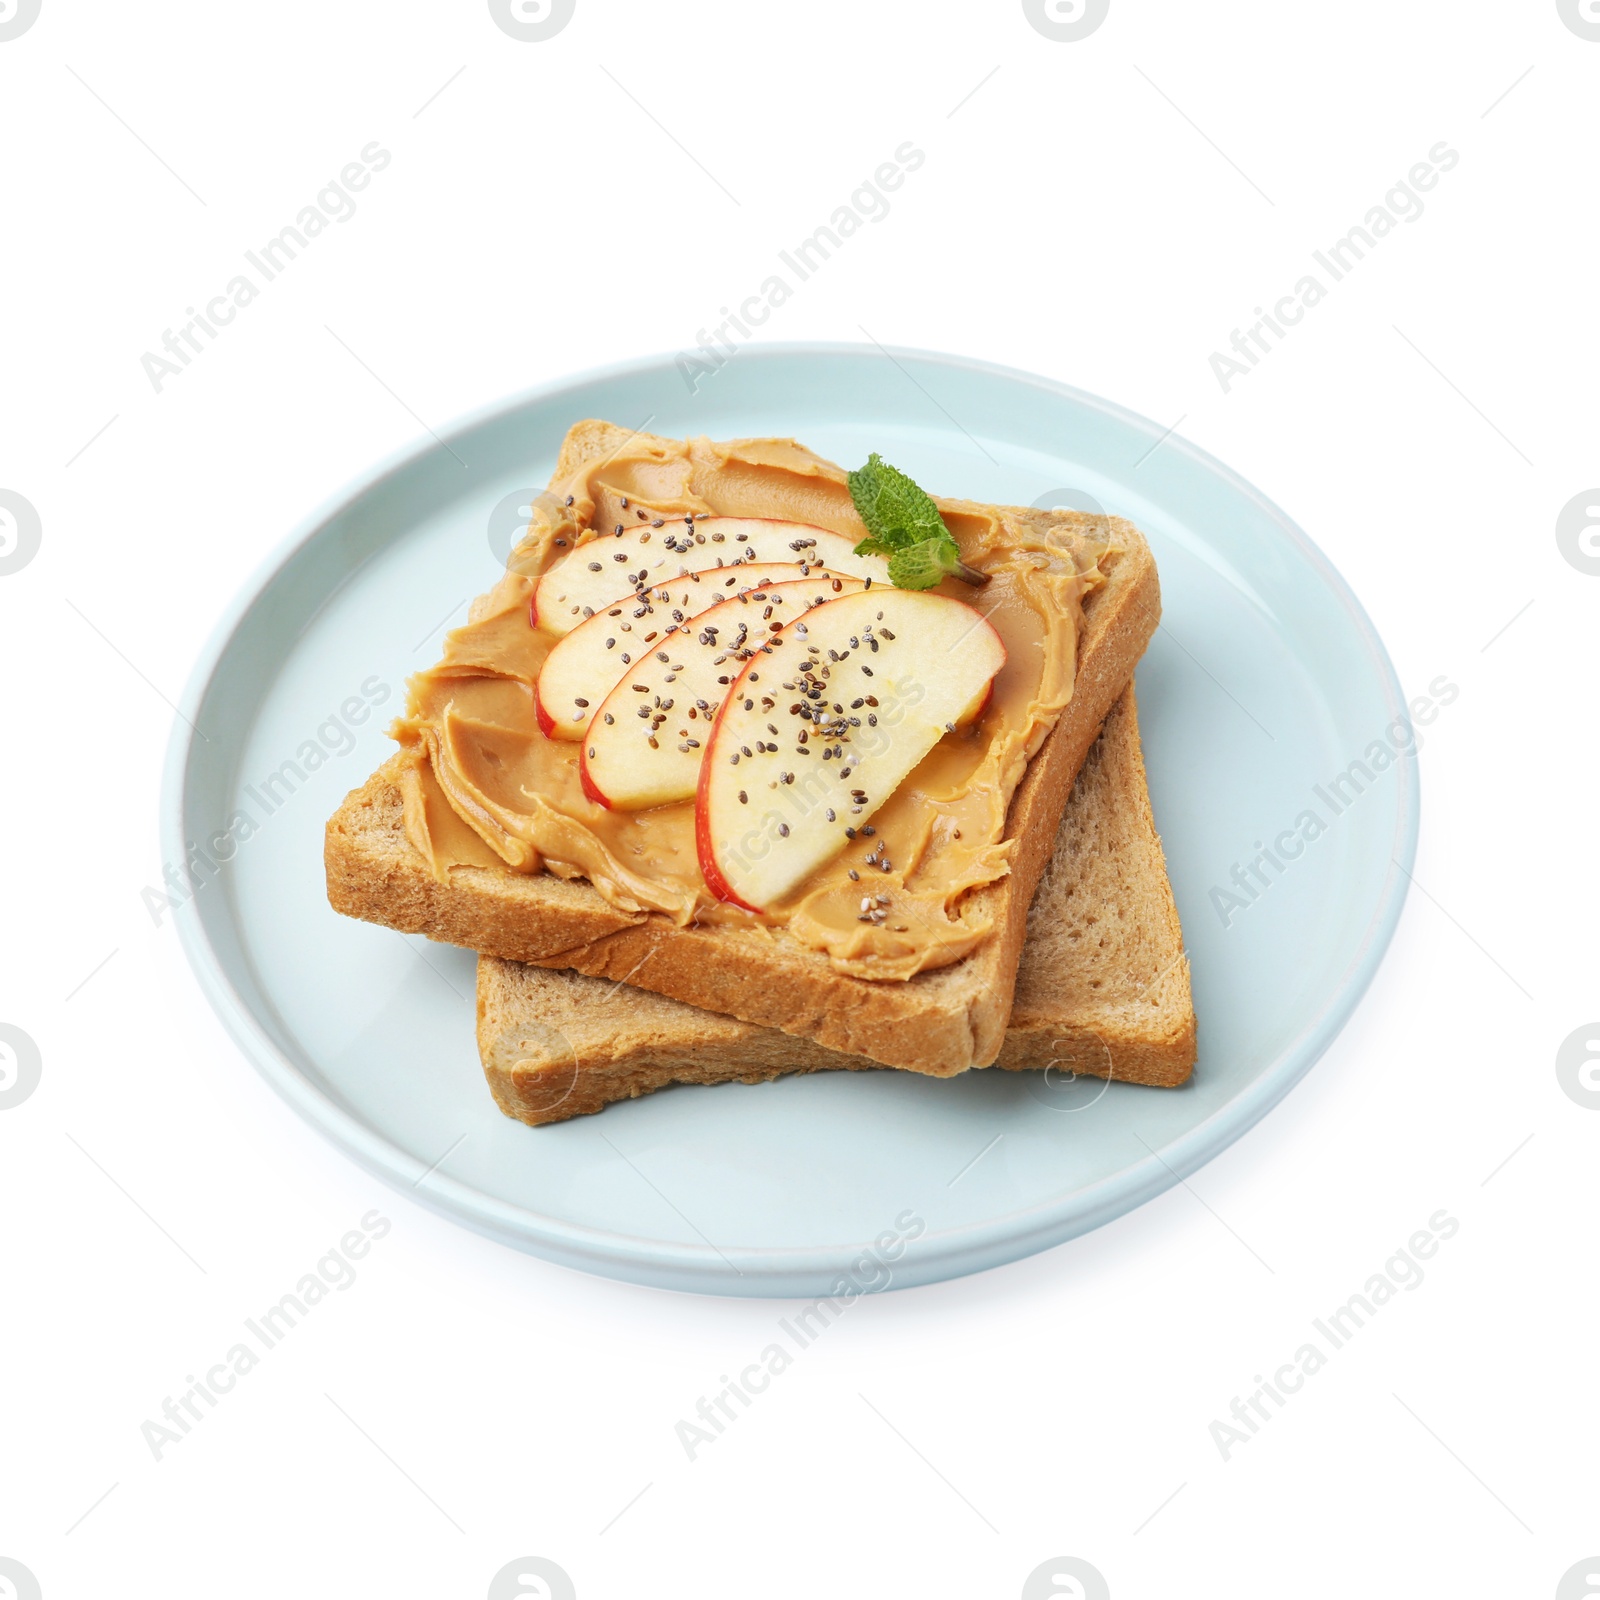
(483, 787)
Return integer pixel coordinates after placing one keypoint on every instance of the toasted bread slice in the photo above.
(1103, 989)
(939, 1022)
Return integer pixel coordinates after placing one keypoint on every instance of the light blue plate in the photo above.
(1265, 681)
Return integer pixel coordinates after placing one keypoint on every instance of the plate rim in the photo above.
(792, 1270)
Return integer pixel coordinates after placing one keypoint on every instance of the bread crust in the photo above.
(1145, 1032)
(939, 1022)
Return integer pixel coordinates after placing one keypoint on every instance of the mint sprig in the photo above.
(904, 524)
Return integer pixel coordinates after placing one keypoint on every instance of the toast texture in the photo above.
(1102, 991)
(939, 1022)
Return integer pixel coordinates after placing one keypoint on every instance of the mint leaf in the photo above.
(918, 566)
(897, 513)
(871, 546)
(904, 524)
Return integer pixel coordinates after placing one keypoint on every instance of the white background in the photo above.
(1425, 425)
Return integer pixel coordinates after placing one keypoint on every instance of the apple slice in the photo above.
(583, 666)
(591, 576)
(813, 738)
(645, 744)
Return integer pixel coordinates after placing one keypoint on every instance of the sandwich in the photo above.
(779, 742)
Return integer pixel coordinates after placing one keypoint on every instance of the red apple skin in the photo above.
(709, 870)
(533, 607)
(589, 788)
(715, 882)
(547, 723)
